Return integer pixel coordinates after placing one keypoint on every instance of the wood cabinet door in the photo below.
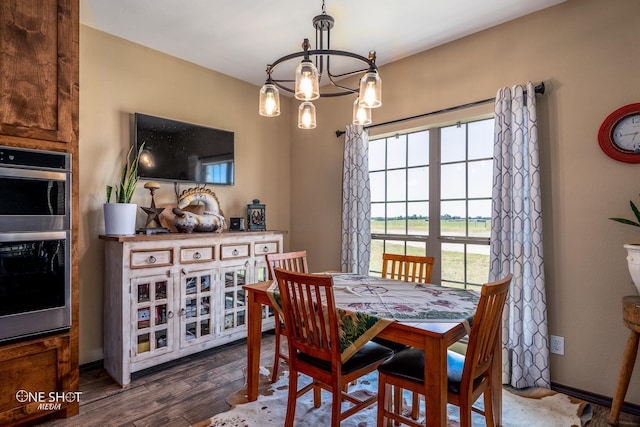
(30, 371)
(38, 65)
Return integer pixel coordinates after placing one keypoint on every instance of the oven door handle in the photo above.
(38, 235)
(37, 174)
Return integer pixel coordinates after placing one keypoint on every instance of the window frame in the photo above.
(434, 240)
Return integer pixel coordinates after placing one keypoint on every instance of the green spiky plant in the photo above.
(636, 212)
(128, 179)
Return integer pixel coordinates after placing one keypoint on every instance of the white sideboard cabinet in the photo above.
(170, 295)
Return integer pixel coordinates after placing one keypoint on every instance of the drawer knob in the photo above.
(152, 259)
(197, 255)
(235, 252)
(265, 249)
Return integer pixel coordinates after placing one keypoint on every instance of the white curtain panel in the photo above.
(516, 238)
(356, 198)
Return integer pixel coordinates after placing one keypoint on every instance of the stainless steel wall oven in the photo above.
(35, 243)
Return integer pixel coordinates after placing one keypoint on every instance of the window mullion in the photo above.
(406, 190)
(433, 244)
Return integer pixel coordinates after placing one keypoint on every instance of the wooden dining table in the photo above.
(434, 337)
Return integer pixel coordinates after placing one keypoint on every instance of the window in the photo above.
(431, 195)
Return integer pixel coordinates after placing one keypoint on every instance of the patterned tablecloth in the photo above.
(367, 304)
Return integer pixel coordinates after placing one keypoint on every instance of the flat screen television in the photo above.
(183, 152)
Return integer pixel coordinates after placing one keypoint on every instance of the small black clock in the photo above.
(236, 224)
(619, 134)
(256, 216)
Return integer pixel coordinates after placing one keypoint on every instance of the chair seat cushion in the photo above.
(395, 346)
(409, 364)
(370, 354)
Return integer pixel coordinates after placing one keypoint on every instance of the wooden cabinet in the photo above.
(168, 296)
(38, 64)
(36, 380)
(39, 91)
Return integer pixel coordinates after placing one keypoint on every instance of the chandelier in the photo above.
(316, 64)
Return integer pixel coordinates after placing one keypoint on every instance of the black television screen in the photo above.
(178, 151)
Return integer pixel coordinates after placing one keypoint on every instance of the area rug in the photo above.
(532, 407)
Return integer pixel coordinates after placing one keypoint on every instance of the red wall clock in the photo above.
(619, 134)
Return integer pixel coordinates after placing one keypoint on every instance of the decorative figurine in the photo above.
(212, 219)
(153, 213)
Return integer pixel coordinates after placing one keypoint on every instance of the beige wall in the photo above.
(118, 78)
(587, 53)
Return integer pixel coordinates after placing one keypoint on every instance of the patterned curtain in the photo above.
(516, 238)
(356, 206)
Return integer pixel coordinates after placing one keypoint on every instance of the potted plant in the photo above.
(633, 249)
(120, 217)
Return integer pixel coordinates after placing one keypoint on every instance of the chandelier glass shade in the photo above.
(307, 81)
(314, 65)
(370, 90)
(307, 115)
(269, 100)
(361, 114)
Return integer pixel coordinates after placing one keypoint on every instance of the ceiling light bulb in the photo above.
(370, 94)
(305, 86)
(270, 104)
(306, 119)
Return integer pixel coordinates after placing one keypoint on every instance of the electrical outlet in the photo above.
(557, 345)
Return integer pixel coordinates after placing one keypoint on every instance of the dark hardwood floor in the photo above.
(176, 394)
(189, 390)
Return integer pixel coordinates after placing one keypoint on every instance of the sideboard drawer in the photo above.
(197, 254)
(263, 248)
(234, 251)
(151, 258)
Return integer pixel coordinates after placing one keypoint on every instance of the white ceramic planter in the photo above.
(633, 261)
(120, 218)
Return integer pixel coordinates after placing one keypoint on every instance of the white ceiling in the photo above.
(240, 37)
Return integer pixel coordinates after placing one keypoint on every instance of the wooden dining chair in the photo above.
(311, 327)
(292, 261)
(409, 268)
(469, 375)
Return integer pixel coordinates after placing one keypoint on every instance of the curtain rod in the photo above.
(539, 89)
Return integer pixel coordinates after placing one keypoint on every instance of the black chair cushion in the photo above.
(370, 354)
(395, 346)
(409, 364)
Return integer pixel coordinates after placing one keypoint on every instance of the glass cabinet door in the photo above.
(151, 313)
(233, 298)
(197, 313)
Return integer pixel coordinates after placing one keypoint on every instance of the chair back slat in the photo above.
(485, 330)
(292, 261)
(308, 304)
(409, 268)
